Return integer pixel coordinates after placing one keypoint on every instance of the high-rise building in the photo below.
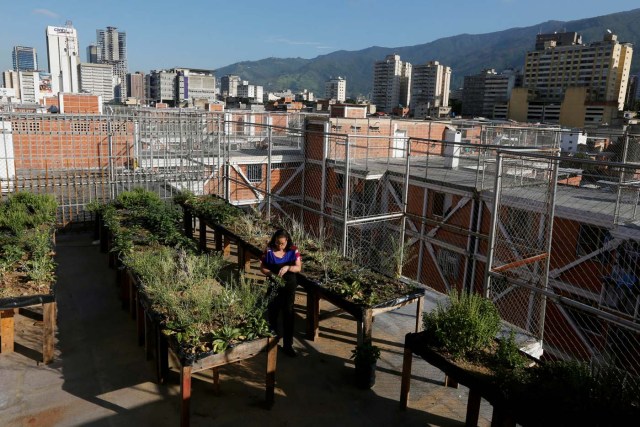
(97, 79)
(391, 83)
(25, 83)
(111, 48)
(194, 84)
(160, 86)
(484, 91)
(581, 84)
(135, 86)
(229, 85)
(430, 84)
(336, 88)
(24, 58)
(63, 58)
(92, 54)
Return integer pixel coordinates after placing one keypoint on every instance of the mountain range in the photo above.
(466, 54)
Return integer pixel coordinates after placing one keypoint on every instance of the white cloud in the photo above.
(46, 12)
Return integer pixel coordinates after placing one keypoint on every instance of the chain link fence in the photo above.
(559, 233)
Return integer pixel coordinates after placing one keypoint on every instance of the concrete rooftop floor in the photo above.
(100, 376)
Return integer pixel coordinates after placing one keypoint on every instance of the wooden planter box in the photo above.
(480, 386)
(363, 315)
(157, 346)
(199, 362)
(8, 309)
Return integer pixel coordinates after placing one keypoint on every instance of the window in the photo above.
(438, 204)
(254, 173)
(590, 239)
(448, 262)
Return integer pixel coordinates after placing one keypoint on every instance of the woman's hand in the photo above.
(283, 270)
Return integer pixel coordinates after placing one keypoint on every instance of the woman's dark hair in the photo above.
(278, 234)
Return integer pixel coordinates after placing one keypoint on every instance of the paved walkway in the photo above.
(100, 376)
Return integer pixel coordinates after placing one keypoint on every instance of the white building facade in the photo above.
(391, 83)
(336, 89)
(63, 57)
(97, 79)
(430, 85)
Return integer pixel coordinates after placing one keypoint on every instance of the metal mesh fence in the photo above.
(563, 261)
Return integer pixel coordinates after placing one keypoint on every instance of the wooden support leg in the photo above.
(149, 337)
(313, 315)
(132, 299)
(124, 290)
(405, 385)
(365, 327)
(104, 238)
(188, 222)
(473, 408)
(226, 247)
(185, 395)
(140, 328)
(450, 382)
(6, 330)
(203, 235)
(246, 258)
(218, 238)
(241, 259)
(48, 331)
(162, 356)
(419, 309)
(216, 380)
(500, 418)
(272, 354)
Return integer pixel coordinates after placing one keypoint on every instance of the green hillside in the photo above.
(466, 54)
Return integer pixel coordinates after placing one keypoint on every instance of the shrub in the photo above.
(465, 326)
(508, 354)
(365, 354)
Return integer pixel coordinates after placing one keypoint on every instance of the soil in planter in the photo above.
(16, 284)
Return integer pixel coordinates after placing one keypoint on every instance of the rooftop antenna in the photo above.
(68, 24)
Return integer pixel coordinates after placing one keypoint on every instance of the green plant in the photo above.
(508, 354)
(395, 256)
(365, 353)
(464, 326)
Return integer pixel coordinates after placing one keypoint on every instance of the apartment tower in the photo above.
(391, 83)
(586, 83)
(111, 48)
(336, 89)
(430, 85)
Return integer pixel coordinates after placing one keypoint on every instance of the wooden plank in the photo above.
(473, 408)
(405, 385)
(272, 355)
(242, 351)
(376, 311)
(7, 330)
(185, 395)
(246, 257)
(48, 331)
(226, 246)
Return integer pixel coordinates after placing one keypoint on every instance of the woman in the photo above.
(281, 258)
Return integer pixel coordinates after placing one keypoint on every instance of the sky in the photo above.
(211, 34)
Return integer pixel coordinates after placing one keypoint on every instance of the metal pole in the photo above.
(494, 223)
(269, 142)
(345, 200)
(551, 207)
(323, 186)
(111, 169)
(625, 148)
(405, 197)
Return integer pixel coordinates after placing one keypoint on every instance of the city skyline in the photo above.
(223, 34)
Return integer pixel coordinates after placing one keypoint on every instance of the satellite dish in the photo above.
(608, 31)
